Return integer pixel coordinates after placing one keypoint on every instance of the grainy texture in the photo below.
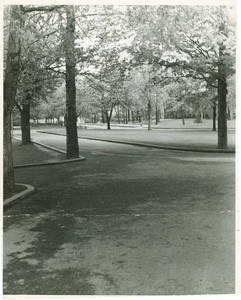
(128, 220)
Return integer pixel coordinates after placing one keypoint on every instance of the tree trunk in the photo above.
(103, 116)
(157, 114)
(201, 114)
(108, 117)
(183, 118)
(108, 120)
(25, 124)
(11, 75)
(72, 146)
(222, 100)
(214, 117)
(228, 114)
(128, 115)
(118, 113)
(149, 113)
(222, 114)
(108, 124)
(132, 116)
(9, 180)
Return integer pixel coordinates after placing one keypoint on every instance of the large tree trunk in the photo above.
(72, 146)
(9, 180)
(214, 116)
(222, 114)
(25, 124)
(11, 75)
(222, 101)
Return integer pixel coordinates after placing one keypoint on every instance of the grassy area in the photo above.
(191, 123)
(188, 138)
(27, 154)
(17, 189)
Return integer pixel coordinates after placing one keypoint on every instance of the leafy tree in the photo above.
(11, 74)
(199, 43)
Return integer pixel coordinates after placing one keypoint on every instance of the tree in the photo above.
(209, 45)
(35, 80)
(199, 43)
(11, 74)
(72, 146)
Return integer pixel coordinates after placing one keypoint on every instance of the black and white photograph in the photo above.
(119, 133)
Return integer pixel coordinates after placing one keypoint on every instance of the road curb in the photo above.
(206, 150)
(19, 196)
(81, 158)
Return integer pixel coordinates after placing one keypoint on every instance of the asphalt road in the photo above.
(126, 221)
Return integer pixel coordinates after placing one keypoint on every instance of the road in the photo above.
(126, 221)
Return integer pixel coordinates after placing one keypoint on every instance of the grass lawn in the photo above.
(17, 189)
(27, 154)
(188, 138)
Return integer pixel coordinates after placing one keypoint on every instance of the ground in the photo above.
(167, 133)
(128, 220)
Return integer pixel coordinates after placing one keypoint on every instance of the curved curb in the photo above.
(23, 194)
(64, 161)
(207, 150)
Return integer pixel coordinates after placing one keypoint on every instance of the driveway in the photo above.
(127, 221)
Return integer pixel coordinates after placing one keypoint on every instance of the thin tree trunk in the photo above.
(149, 113)
(183, 118)
(157, 114)
(214, 117)
(11, 75)
(201, 114)
(25, 124)
(72, 146)
(108, 124)
(102, 116)
(108, 120)
(228, 114)
(108, 116)
(118, 113)
(128, 115)
(132, 116)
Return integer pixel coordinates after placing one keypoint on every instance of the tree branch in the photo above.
(27, 9)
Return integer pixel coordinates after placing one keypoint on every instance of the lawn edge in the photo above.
(64, 161)
(19, 196)
(207, 150)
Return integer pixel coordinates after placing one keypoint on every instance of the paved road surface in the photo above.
(128, 220)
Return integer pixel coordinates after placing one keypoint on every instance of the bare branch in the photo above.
(27, 9)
